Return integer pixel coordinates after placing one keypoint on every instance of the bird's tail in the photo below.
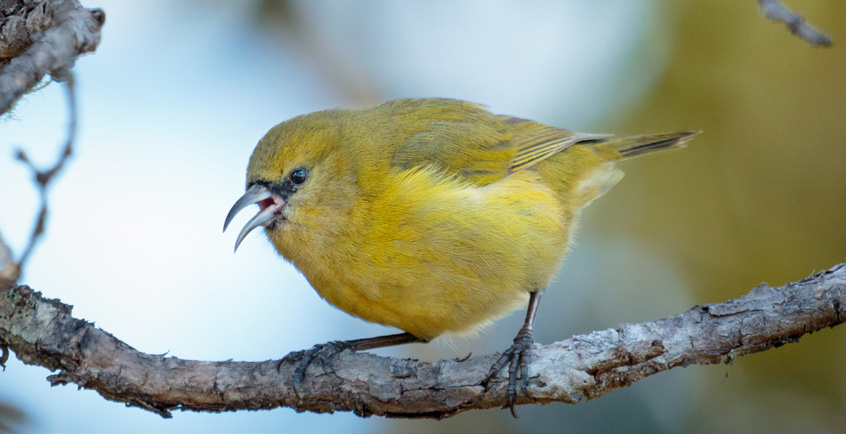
(633, 146)
(591, 163)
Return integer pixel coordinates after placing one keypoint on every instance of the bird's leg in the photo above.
(517, 357)
(323, 352)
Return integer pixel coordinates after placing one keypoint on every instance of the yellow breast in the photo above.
(432, 254)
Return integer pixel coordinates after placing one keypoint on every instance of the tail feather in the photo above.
(634, 146)
(595, 179)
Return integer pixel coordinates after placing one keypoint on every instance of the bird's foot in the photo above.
(302, 359)
(517, 359)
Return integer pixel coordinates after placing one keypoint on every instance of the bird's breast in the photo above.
(432, 254)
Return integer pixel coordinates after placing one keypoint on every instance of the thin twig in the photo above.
(10, 270)
(41, 38)
(43, 332)
(43, 178)
(775, 11)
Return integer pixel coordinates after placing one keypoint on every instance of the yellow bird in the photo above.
(429, 215)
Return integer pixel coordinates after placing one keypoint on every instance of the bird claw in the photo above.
(517, 359)
(302, 359)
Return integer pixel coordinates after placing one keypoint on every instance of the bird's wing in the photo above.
(535, 142)
(467, 140)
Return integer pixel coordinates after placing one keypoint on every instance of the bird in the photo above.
(431, 215)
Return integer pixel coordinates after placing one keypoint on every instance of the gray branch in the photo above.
(38, 38)
(10, 270)
(42, 332)
(775, 11)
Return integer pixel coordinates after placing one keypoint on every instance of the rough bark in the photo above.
(42, 332)
(42, 37)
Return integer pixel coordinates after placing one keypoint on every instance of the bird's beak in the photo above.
(270, 205)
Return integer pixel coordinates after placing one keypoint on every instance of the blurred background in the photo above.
(179, 92)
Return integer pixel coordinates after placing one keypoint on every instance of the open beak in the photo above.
(270, 205)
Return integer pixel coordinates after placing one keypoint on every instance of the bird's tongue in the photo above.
(266, 203)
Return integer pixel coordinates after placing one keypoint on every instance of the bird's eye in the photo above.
(299, 176)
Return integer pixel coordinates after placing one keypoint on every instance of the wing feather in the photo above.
(469, 141)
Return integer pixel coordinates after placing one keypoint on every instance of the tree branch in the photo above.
(775, 11)
(42, 332)
(10, 270)
(42, 38)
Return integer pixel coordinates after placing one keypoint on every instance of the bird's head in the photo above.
(302, 178)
